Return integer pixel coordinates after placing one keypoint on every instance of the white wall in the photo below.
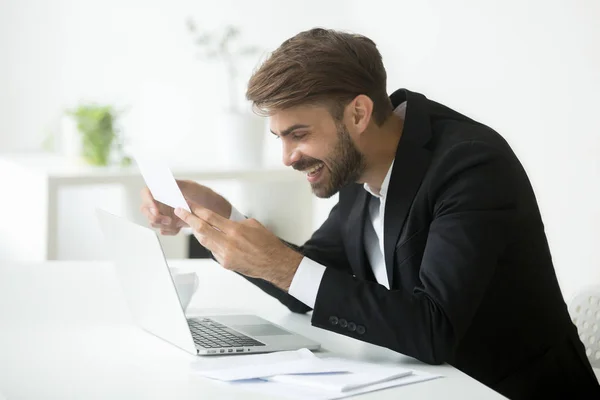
(137, 54)
(528, 68)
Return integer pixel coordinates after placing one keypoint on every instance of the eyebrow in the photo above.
(289, 130)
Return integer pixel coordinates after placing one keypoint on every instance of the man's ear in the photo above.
(358, 114)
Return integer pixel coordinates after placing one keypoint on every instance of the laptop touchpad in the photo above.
(260, 330)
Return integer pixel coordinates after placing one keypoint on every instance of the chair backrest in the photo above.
(585, 313)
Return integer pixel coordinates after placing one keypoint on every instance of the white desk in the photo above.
(34, 181)
(65, 333)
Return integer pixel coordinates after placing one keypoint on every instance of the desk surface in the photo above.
(66, 333)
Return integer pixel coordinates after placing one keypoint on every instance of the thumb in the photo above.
(194, 207)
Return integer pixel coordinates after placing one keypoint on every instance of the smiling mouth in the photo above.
(313, 171)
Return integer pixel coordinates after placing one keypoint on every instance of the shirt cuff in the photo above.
(306, 281)
(236, 215)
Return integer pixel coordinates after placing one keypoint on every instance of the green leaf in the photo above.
(96, 125)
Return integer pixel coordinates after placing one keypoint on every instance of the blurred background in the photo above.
(147, 72)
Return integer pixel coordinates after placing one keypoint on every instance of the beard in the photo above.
(344, 166)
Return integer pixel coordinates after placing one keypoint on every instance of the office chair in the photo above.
(584, 309)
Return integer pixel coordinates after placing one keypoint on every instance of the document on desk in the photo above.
(240, 367)
(160, 181)
(361, 374)
(301, 392)
(300, 375)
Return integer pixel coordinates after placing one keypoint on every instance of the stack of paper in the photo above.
(302, 375)
(299, 392)
(361, 375)
(241, 367)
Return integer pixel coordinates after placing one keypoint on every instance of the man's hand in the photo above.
(162, 217)
(246, 247)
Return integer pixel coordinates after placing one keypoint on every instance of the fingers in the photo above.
(214, 219)
(206, 234)
(147, 198)
(156, 219)
(151, 210)
(169, 232)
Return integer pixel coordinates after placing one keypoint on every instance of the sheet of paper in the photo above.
(342, 382)
(361, 374)
(298, 392)
(160, 181)
(233, 368)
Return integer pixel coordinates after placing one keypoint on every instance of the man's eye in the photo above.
(298, 136)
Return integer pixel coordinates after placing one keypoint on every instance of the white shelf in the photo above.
(57, 168)
(32, 182)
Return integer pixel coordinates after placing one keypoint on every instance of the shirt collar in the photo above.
(401, 112)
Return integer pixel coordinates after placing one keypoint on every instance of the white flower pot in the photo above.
(71, 144)
(244, 139)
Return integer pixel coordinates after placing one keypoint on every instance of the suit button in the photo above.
(333, 320)
(360, 330)
(351, 326)
(343, 323)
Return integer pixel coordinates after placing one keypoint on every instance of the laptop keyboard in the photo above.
(210, 334)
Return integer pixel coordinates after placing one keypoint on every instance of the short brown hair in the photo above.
(321, 66)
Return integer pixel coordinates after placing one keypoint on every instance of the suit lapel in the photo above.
(411, 163)
(355, 228)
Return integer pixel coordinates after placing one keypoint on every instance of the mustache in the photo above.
(305, 164)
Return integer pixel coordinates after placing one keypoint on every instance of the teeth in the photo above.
(314, 169)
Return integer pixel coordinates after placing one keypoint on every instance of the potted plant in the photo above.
(96, 133)
(245, 130)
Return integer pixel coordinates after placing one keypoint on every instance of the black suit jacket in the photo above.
(471, 277)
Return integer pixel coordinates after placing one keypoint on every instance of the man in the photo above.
(436, 248)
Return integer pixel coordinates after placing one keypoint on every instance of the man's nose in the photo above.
(290, 155)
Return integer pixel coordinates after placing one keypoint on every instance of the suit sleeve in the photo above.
(473, 208)
(325, 247)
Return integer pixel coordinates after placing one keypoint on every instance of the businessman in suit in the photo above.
(436, 248)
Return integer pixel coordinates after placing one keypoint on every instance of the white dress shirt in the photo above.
(374, 231)
(306, 281)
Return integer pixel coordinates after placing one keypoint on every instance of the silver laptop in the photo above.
(149, 289)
